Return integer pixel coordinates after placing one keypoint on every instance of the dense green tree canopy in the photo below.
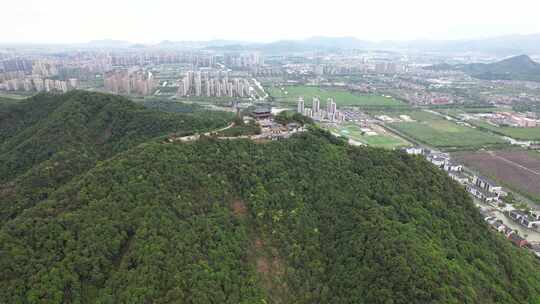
(48, 139)
(303, 220)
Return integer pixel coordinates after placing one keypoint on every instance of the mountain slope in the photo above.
(49, 139)
(306, 220)
(515, 68)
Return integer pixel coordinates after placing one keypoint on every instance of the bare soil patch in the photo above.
(271, 270)
(239, 208)
(523, 158)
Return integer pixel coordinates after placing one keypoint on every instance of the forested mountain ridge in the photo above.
(304, 220)
(514, 68)
(48, 139)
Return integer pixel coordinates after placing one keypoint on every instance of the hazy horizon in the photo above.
(63, 21)
(119, 40)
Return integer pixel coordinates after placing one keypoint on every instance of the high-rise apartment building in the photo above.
(316, 105)
(301, 105)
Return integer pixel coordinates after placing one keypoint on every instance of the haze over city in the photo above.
(275, 151)
(77, 21)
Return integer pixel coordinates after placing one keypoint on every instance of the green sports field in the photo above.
(352, 131)
(434, 130)
(342, 97)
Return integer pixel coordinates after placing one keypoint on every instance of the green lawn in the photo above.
(342, 97)
(436, 131)
(13, 96)
(354, 132)
(517, 133)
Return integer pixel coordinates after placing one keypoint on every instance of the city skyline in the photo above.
(64, 21)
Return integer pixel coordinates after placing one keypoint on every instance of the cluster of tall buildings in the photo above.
(16, 64)
(34, 75)
(243, 60)
(197, 60)
(44, 68)
(341, 69)
(39, 84)
(212, 85)
(267, 71)
(142, 59)
(5, 76)
(331, 112)
(390, 68)
(137, 82)
(347, 68)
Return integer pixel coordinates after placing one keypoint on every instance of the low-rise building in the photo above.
(480, 194)
(452, 167)
(517, 240)
(459, 177)
(489, 187)
(262, 113)
(529, 220)
(438, 161)
(414, 150)
(517, 215)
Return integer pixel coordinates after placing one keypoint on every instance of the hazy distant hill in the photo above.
(515, 68)
(501, 46)
(509, 45)
(95, 209)
(321, 43)
(210, 44)
(109, 43)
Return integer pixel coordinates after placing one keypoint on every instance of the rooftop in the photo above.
(262, 111)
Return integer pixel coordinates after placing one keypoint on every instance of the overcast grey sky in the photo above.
(148, 21)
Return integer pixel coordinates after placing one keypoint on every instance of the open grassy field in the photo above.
(518, 170)
(516, 133)
(342, 97)
(434, 130)
(5, 95)
(383, 139)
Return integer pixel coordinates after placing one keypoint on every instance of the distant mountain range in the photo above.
(515, 68)
(110, 43)
(509, 45)
(501, 46)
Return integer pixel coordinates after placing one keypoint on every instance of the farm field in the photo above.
(516, 133)
(434, 130)
(383, 139)
(290, 94)
(518, 170)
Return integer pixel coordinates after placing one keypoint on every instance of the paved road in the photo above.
(219, 130)
(197, 136)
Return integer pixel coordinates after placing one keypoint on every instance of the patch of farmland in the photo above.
(517, 169)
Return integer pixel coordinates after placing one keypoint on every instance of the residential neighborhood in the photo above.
(490, 197)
